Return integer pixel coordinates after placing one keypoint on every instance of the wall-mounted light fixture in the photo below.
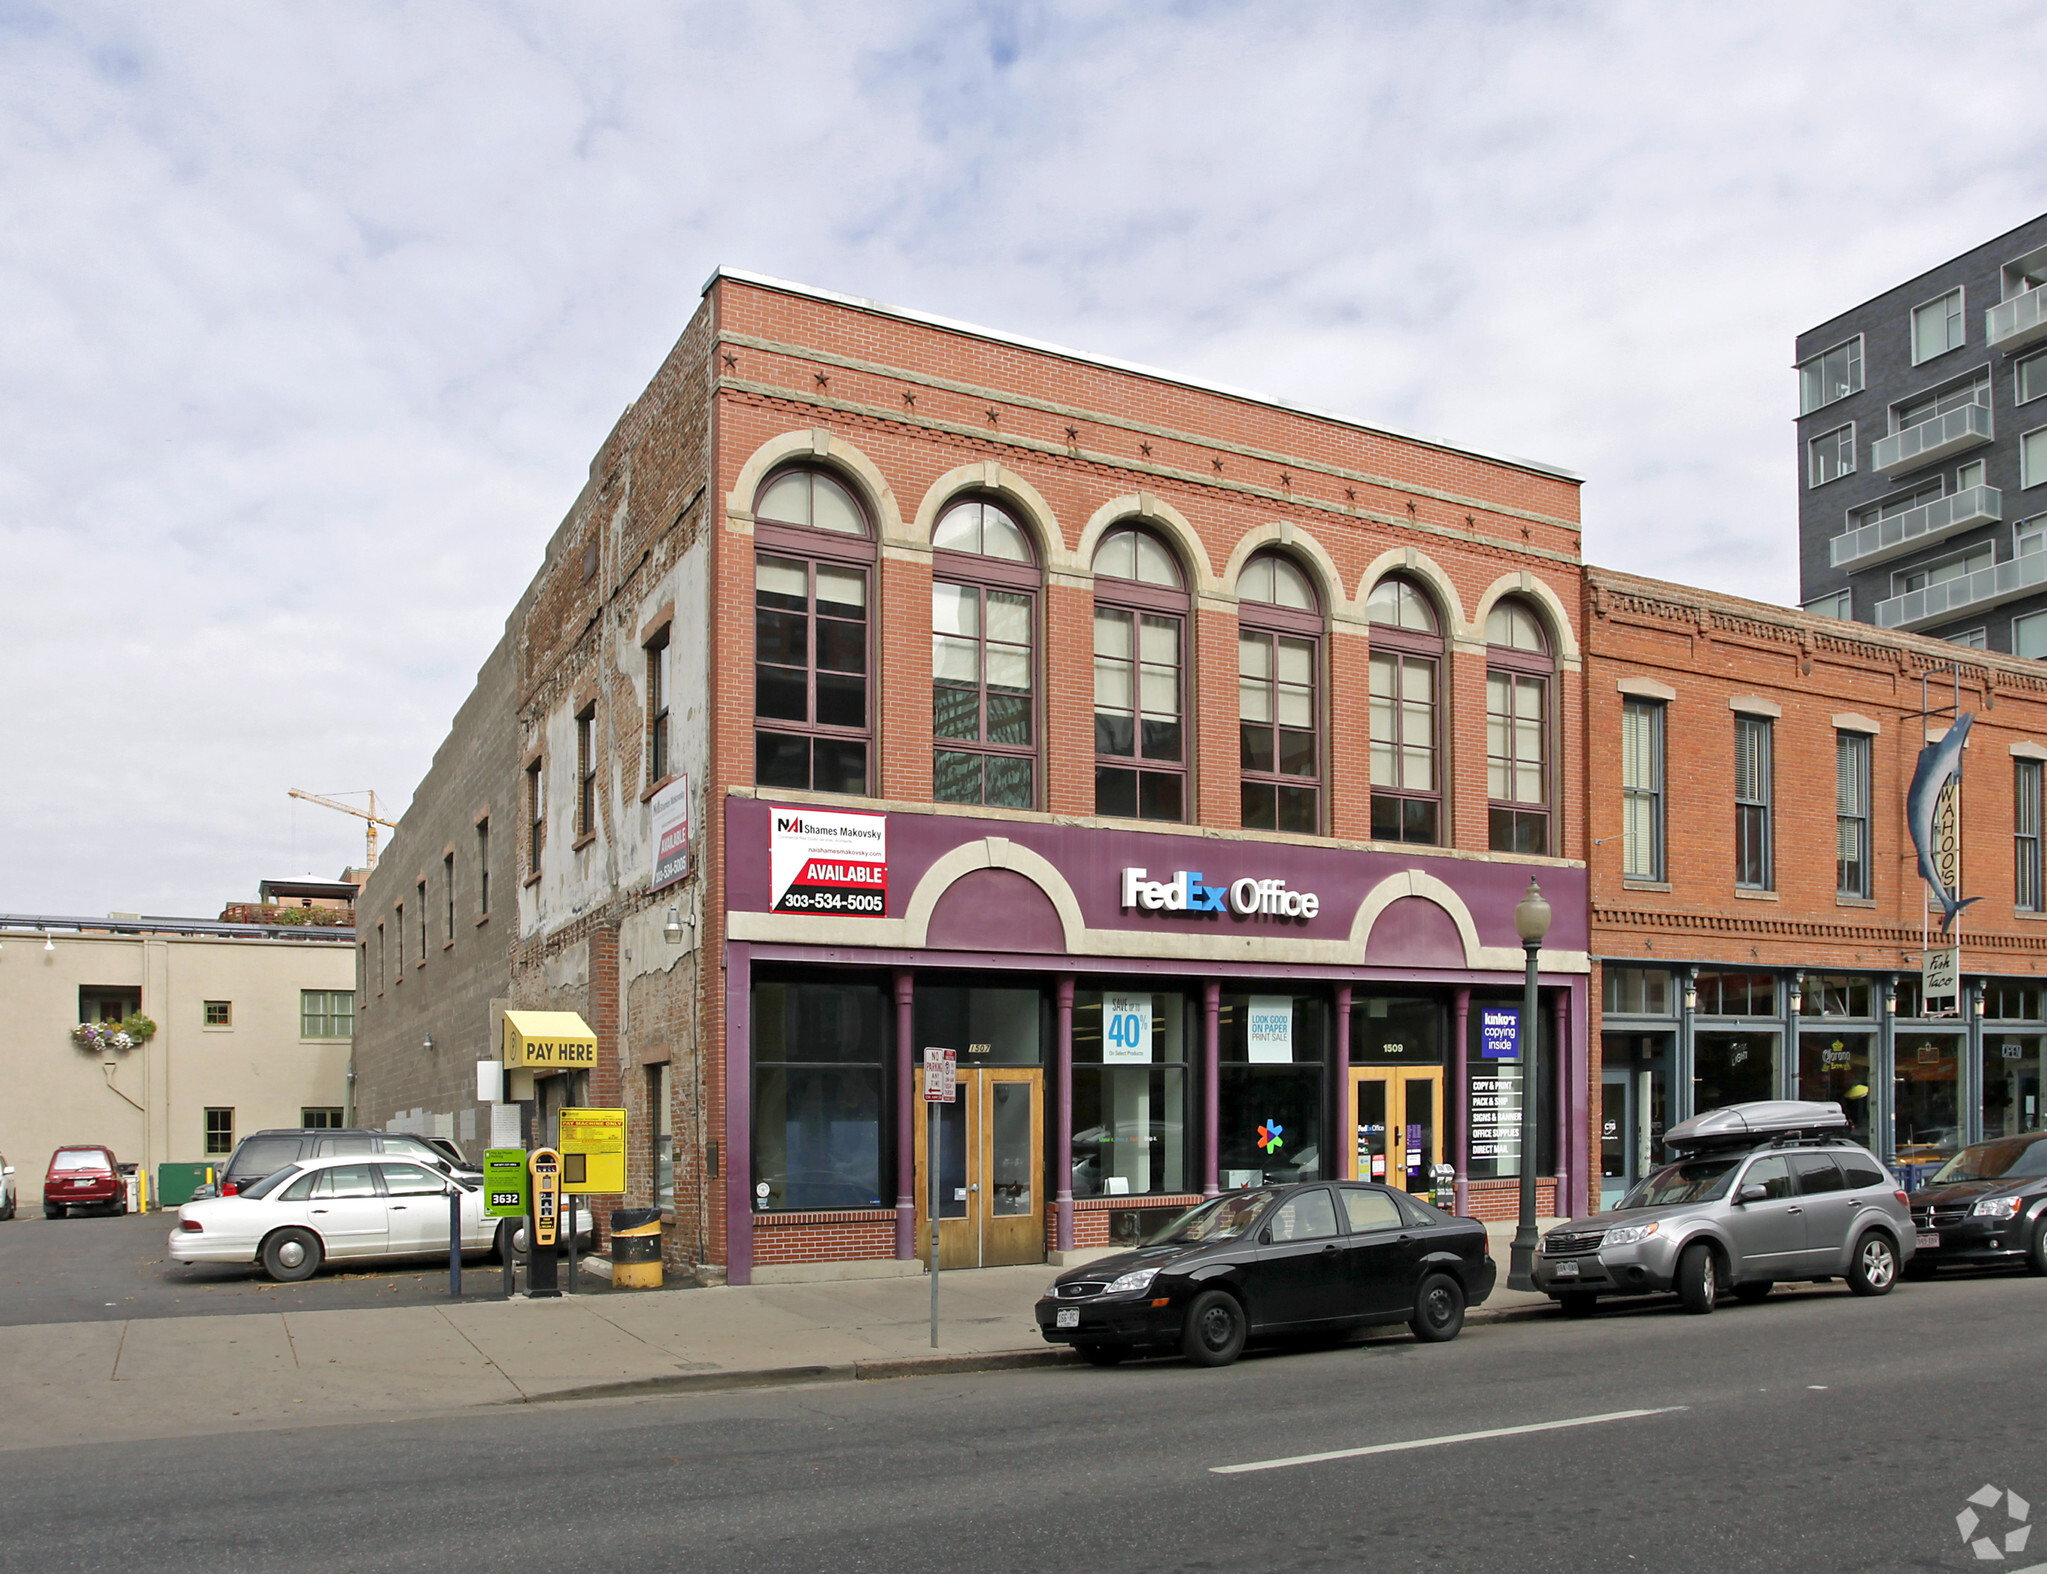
(428, 1046)
(672, 930)
(48, 943)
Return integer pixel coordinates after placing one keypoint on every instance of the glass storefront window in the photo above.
(1733, 1068)
(1494, 1097)
(1840, 995)
(1131, 1046)
(2009, 1001)
(986, 1025)
(1634, 1107)
(1926, 1112)
(1835, 1068)
(2013, 1065)
(1737, 995)
(1636, 991)
(1269, 1119)
(819, 1052)
(1391, 1030)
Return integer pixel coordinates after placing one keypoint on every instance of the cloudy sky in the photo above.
(311, 316)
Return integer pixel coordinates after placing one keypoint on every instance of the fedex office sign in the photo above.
(1188, 892)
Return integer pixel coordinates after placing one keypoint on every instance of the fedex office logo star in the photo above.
(1188, 892)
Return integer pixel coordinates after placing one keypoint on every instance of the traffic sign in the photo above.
(546, 1165)
(592, 1150)
(505, 1183)
(941, 1076)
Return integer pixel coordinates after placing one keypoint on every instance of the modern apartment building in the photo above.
(1922, 452)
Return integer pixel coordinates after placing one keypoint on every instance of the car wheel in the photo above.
(1579, 1303)
(291, 1255)
(2036, 1250)
(1438, 1310)
(1215, 1329)
(1698, 1279)
(1101, 1354)
(1875, 1268)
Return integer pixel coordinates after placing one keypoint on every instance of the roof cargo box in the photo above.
(1756, 1122)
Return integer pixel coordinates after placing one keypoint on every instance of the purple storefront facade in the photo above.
(1141, 1018)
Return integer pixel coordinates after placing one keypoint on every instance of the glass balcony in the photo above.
(1961, 429)
(1965, 593)
(2018, 322)
(1883, 539)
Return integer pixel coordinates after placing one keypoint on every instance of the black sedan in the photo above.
(1274, 1260)
(1985, 1207)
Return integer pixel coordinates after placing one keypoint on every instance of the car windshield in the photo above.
(1994, 1161)
(1223, 1218)
(79, 1159)
(1689, 1180)
(270, 1183)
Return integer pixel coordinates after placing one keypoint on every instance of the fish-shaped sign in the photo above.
(1939, 764)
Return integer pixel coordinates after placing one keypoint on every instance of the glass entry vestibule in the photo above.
(1396, 1090)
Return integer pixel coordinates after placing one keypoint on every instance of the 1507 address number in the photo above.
(834, 901)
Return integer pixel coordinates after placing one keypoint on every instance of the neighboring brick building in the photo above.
(1211, 742)
(1754, 887)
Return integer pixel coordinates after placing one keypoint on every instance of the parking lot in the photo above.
(106, 1269)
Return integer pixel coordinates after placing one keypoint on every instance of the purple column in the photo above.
(1062, 1115)
(906, 1117)
(1460, 1099)
(1345, 1135)
(1567, 1101)
(1211, 1081)
(737, 1169)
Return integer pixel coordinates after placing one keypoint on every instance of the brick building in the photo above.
(1175, 756)
(1757, 914)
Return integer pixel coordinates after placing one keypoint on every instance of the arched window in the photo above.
(1140, 678)
(813, 595)
(1279, 649)
(1518, 672)
(984, 581)
(1407, 686)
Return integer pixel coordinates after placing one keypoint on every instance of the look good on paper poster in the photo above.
(1269, 1030)
(827, 862)
(669, 826)
(1126, 1030)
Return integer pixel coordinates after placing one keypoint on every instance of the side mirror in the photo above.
(1752, 1194)
(1265, 1236)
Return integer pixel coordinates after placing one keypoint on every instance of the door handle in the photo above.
(1794, 1210)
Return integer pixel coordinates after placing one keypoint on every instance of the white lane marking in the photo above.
(1438, 1442)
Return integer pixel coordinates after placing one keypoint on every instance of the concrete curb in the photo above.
(780, 1376)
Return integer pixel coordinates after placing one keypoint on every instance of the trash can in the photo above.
(175, 1183)
(636, 1248)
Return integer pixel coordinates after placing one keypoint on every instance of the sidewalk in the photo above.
(180, 1376)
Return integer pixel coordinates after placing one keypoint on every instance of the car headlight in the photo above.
(1996, 1208)
(1628, 1234)
(1136, 1282)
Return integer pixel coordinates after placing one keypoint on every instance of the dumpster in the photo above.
(175, 1183)
(636, 1248)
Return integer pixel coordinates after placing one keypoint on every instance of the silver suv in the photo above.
(1754, 1193)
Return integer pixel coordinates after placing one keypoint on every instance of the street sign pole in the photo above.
(941, 1084)
(933, 1157)
(454, 1242)
(507, 1194)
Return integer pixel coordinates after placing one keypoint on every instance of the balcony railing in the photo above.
(1961, 429)
(2018, 322)
(1964, 593)
(1916, 527)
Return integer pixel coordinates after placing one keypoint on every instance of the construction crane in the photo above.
(369, 814)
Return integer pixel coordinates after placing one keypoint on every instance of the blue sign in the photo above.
(1499, 1033)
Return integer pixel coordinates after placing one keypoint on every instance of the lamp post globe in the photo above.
(1531, 923)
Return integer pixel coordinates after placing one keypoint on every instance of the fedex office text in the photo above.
(1188, 892)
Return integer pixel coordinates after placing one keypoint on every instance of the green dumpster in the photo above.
(175, 1183)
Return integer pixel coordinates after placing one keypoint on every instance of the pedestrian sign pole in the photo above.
(541, 1223)
(941, 1086)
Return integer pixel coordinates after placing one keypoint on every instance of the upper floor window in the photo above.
(2030, 377)
(1406, 713)
(1830, 455)
(657, 706)
(1642, 789)
(1922, 408)
(1832, 374)
(1937, 327)
(1851, 814)
(1517, 730)
(536, 813)
(586, 772)
(1753, 785)
(1140, 678)
(1905, 581)
(2025, 825)
(983, 657)
(1834, 604)
(1279, 753)
(2029, 636)
(813, 573)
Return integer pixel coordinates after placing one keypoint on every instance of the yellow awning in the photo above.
(548, 1038)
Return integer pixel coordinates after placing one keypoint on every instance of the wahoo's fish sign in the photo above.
(1934, 831)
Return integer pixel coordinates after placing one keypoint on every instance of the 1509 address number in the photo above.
(834, 901)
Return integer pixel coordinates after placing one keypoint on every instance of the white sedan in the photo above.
(332, 1210)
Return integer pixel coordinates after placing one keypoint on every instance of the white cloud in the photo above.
(314, 316)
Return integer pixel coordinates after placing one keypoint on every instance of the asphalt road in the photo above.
(1818, 1433)
(99, 1268)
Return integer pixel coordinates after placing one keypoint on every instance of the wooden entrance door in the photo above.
(991, 1172)
(1397, 1118)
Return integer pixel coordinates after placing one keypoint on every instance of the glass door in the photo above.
(1621, 1140)
(1398, 1124)
(990, 1174)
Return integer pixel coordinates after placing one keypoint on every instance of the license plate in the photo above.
(1929, 1237)
(1066, 1317)
(1567, 1270)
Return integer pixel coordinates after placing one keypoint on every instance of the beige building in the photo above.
(253, 1023)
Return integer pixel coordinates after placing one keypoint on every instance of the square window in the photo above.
(326, 1013)
(326, 1118)
(1831, 455)
(2029, 636)
(220, 1132)
(1833, 374)
(219, 1013)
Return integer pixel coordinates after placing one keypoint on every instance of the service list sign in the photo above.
(827, 862)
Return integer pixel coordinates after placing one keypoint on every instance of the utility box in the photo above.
(175, 1183)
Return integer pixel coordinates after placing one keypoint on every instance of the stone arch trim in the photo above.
(1413, 882)
(817, 445)
(1536, 591)
(1162, 517)
(1029, 504)
(1289, 538)
(1419, 565)
(992, 852)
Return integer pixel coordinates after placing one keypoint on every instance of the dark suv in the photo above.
(266, 1152)
(1986, 1206)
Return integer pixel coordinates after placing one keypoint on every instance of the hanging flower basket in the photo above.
(98, 1037)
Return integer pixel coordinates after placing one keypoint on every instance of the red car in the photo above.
(83, 1177)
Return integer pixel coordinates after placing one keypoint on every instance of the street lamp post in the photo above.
(1531, 922)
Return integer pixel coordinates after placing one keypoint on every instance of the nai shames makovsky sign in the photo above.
(828, 862)
(1187, 891)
